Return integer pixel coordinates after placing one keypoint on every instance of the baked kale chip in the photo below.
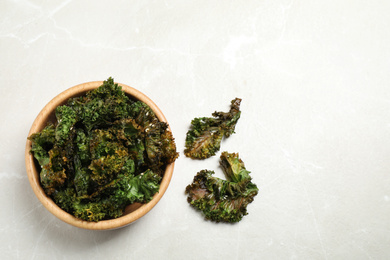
(104, 152)
(204, 138)
(223, 200)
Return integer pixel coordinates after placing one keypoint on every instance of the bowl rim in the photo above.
(33, 175)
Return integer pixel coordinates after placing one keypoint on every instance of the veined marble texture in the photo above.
(315, 126)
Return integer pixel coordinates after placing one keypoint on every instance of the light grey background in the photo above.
(315, 126)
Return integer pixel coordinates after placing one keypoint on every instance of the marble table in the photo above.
(315, 126)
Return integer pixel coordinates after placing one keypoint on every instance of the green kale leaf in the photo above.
(223, 200)
(42, 144)
(204, 138)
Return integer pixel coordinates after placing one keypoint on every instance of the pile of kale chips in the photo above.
(220, 200)
(104, 152)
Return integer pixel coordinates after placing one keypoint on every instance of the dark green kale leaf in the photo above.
(159, 142)
(101, 107)
(66, 118)
(204, 138)
(223, 200)
(143, 114)
(81, 178)
(104, 152)
(53, 174)
(42, 143)
(82, 143)
(160, 146)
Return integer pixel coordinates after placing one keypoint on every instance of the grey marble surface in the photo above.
(315, 126)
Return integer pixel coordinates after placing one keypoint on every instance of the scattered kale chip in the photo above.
(204, 138)
(104, 152)
(223, 200)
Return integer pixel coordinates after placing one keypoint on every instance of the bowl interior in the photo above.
(133, 211)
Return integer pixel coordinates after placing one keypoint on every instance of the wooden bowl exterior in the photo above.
(132, 212)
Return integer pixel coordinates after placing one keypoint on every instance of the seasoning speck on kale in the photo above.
(204, 138)
(223, 200)
(104, 152)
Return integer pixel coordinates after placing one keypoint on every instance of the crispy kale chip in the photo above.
(204, 138)
(43, 142)
(104, 152)
(223, 200)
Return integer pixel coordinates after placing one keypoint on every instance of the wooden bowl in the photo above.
(133, 211)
